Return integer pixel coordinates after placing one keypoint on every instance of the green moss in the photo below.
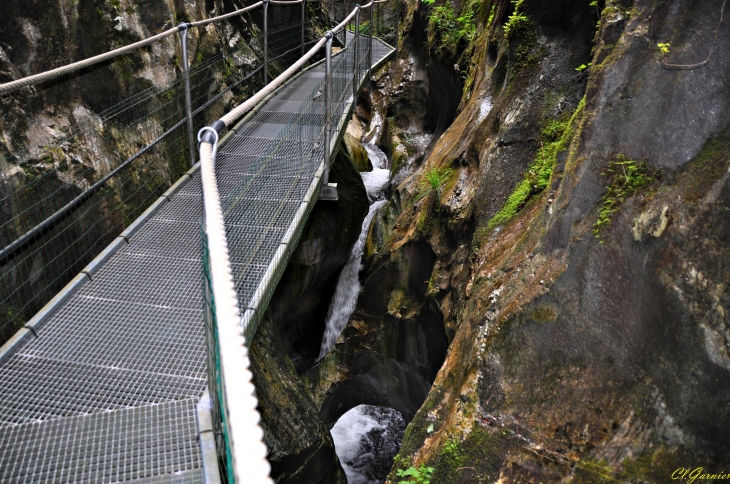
(653, 466)
(539, 173)
(656, 466)
(544, 313)
(477, 459)
(707, 167)
(592, 471)
(517, 22)
(626, 177)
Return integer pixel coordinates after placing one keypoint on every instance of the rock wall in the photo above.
(571, 216)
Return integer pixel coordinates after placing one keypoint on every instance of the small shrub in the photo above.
(422, 475)
(663, 48)
(516, 22)
(626, 177)
(433, 182)
(446, 30)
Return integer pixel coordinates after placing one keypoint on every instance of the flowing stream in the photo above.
(367, 439)
(348, 285)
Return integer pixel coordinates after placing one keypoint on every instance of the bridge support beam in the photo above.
(183, 32)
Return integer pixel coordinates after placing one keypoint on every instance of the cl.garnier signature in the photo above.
(698, 473)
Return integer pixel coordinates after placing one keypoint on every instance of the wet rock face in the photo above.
(581, 355)
(299, 443)
(393, 345)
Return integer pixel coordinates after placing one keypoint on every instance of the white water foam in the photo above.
(367, 438)
(376, 180)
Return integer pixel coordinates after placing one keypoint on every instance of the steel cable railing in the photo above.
(301, 150)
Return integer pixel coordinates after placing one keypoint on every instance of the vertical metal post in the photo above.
(183, 32)
(266, 42)
(370, 42)
(304, 4)
(377, 21)
(327, 106)
(345, 13)
(356, 56)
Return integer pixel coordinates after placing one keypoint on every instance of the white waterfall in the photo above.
(348, 285)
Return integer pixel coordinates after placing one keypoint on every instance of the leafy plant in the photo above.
(517, 21)
(663, 48)
(422, 475)
(433, 181)
(583, 67)
(626, 177)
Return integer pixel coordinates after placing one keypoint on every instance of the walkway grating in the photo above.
(107, 391)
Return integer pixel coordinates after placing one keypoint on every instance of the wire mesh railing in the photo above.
(63, 199)
(274, 168)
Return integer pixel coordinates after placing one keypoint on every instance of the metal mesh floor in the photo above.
(107, 390)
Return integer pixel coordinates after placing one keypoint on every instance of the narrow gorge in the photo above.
(525, 278)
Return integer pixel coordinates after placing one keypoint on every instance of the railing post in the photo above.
(304, 3)
(327, 106)
(266, 41)
(370, 40)
(183, 32)
(356, 56)
(329, 191)
(377, 20)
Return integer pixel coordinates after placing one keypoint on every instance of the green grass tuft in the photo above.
(626, 177)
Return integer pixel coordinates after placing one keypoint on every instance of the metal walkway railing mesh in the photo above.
(148, 132)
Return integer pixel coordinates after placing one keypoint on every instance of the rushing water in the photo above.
(348, 285)
(376, 180)
(367, 438)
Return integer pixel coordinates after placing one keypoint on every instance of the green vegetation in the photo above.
(556, 137)
(446, 30)
(433, 181)
(422, 475)
(516, 22)
(476, 459)
(663, 48)
(626, 177)
(583, 67)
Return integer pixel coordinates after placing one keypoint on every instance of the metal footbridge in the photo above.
(137, 370)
